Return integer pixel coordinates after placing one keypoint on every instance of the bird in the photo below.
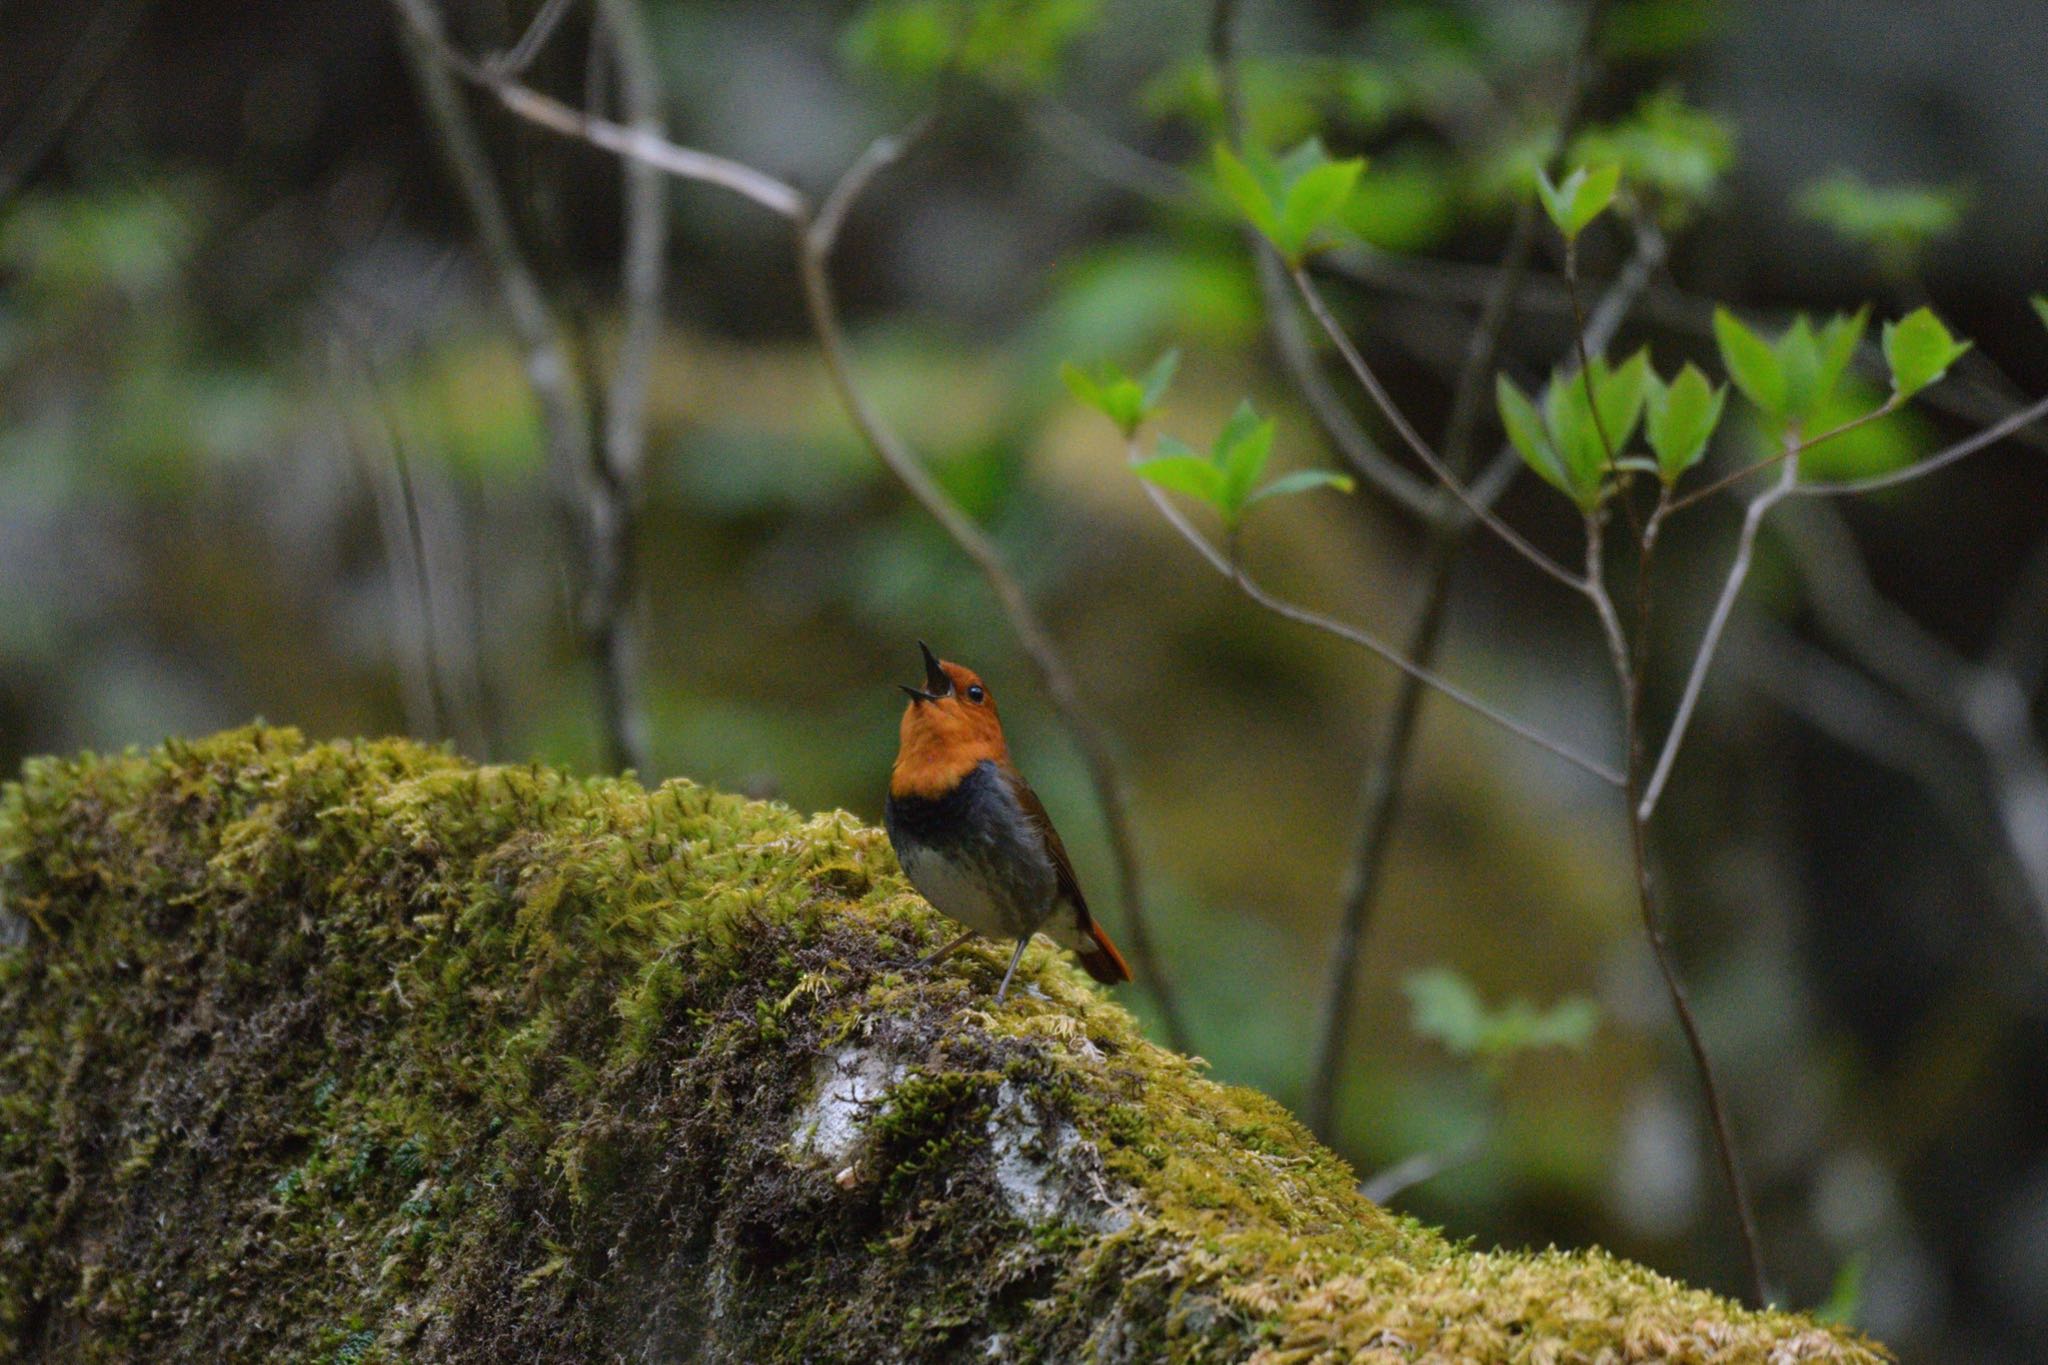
(972, 836)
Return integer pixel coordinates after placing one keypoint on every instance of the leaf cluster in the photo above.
(1298, 202)
(1227, 477)
(1013, 45)
(1448, 1008)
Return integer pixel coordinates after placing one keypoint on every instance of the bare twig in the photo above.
(614, 504)
(101, 42)
(685, 163)
(1986, 702)
(1109, 159)
(1017, 609)
(1786, 450)
(1738, 571)
(1298, 358)
(524, 53)
(876, 157)
(1628, 675)
(1251, 588)
(1399, 421)
(1963, 449)
(592, 495)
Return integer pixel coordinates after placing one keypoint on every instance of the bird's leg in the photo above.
(942, 954)
(1015, 958)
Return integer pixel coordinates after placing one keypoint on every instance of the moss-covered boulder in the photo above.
(357, 1052)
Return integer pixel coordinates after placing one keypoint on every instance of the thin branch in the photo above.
(102, 41)
(1109, 159)
(1628, 674)
(1991, 436)
(1017, 609)
(878, 156)
(1786, 451)
(1283, 323)
(1380, 792)
(1298, 359)
(1738, 571)
(685, 163)
(1251, 588)
(1399, 421)
(615, 506)
(523, 54)
(564, 414)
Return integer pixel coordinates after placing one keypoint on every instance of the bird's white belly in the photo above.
(957, 893)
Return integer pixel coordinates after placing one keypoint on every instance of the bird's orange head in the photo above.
(949, 726)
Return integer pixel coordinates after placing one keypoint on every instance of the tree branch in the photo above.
(1963, 449)
(1365, 639)
(1399, 421)
(1738, 571)
(1016, 607)
(615, 504)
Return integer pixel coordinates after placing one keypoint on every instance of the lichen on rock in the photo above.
(356, 1052)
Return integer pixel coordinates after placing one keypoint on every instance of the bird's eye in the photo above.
(975, 694)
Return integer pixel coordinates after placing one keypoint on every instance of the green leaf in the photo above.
(1241, 452)
(1569, 416)
(1897, 220)
(1682, 418)
(1845, 1298)
(1315, 201)
(1301, 481)
(1081, 384)
(1125, 401)
(1919, 349)
(1446, 1007)
(1838, 341)
(2040, 302)
(1245, 191)
(1799, 360)
(1187, 473)
(1619, 394)
(1157, 380)
(1527, 434)
(1583, 196)
(1664, 147)
(1110, 392)
(1751, 363)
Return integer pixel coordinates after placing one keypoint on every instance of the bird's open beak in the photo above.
(936, 683)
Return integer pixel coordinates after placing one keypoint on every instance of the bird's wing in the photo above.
(1068, 887)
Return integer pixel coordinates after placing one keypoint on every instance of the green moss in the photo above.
(355, 1052)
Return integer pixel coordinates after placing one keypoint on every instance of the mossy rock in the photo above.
(356, 1052)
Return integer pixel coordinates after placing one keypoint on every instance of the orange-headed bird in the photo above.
(972, 836)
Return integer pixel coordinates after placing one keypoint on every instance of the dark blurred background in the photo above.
(267, 449)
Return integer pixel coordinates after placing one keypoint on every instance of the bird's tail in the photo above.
(1100, 956)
